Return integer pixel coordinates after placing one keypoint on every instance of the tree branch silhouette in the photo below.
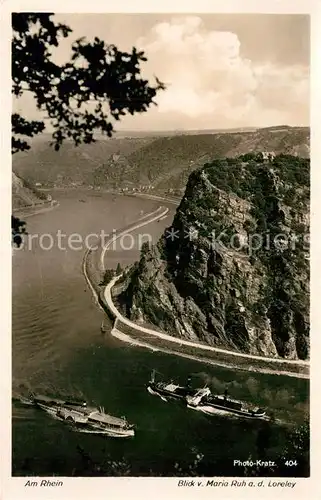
(96, 73)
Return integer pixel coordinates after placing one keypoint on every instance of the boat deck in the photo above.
(105, 418)
(90, 412)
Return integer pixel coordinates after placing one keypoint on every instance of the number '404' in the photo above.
(291, 463)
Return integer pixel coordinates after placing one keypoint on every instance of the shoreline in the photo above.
(44, 209)
(98, 295)
(297, 368)
(143, 221)
(156, 197)
(138, 343)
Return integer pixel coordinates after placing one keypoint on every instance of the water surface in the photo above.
(58, 349)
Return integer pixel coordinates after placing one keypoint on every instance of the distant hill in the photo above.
(70, 164)
(160, 163)
(169, 133)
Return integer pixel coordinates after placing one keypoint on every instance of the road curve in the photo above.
(126, 321)
(134, 342)
(160, 213)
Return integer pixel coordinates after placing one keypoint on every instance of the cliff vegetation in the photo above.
(233, 269)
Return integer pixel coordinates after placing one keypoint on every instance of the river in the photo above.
(58, 349)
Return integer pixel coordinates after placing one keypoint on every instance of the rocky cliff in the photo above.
(24, 194)
(233, 269)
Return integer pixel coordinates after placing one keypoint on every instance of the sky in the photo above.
(221, 70)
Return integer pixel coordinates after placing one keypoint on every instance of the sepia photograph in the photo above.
(160, 247)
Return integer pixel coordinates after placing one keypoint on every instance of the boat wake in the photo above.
(99, 432)
(77, 415)
(21, 413)
(150, 390)
(21, 400)
(213, 412)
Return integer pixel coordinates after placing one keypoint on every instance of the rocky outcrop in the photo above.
(233, 269)
(24, 194)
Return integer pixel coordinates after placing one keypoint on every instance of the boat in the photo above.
(96, 421)
(170, 390)
(50, 405)
(85, 418)
(210, 403)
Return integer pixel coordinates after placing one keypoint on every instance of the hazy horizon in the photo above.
(200, 131)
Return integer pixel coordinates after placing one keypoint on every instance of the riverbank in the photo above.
(58, 349)
(93, 262)
(151, 345)
(27, 212)
(133, 333)
(200, 352)
(225, 359)
(96, 192)
(158, 214)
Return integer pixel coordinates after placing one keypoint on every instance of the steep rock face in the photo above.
(24, 194)
(233, 269)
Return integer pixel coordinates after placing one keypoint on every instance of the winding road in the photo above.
(161, 212)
